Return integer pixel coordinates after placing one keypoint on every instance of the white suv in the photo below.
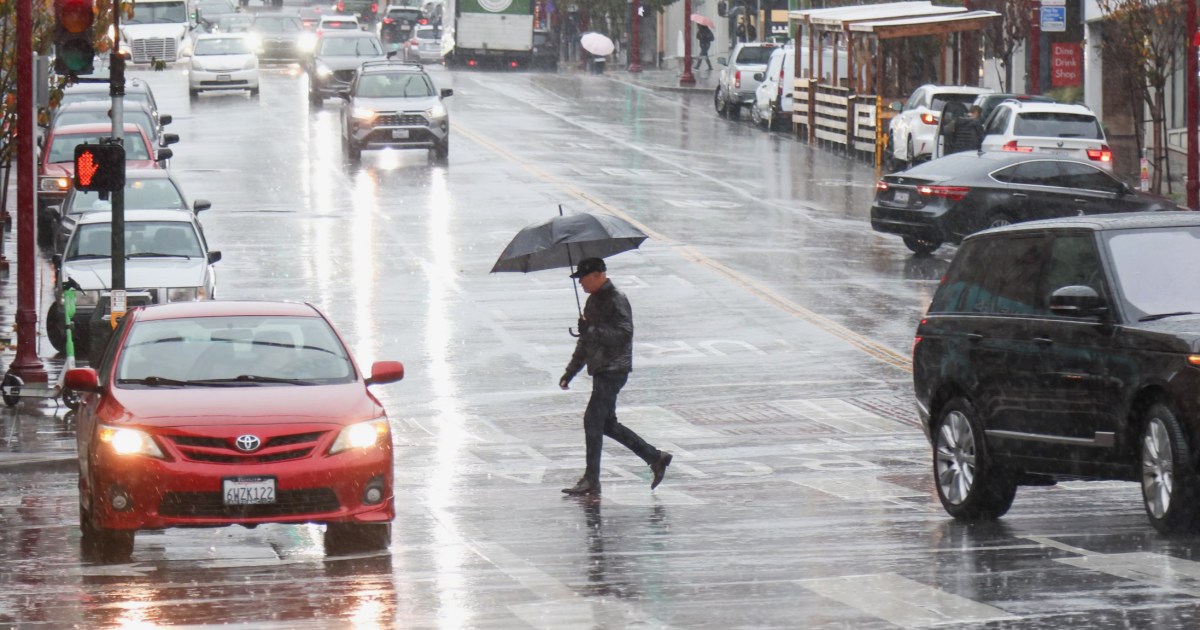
(773, 98)
(737, 83)
(912, 133)
(1057, 128)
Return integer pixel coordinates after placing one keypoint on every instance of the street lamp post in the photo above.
(687, 79)
(635, 45)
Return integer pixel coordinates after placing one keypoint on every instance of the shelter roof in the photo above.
(925, 24)
(840, 17)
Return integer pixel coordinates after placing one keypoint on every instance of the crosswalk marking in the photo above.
(904, 602)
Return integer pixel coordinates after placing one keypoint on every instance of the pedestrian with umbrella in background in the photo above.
(705, 36)
(605, 337)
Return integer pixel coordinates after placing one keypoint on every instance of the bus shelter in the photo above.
(846, 107)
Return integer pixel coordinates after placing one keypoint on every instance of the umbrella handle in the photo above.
(571, 331)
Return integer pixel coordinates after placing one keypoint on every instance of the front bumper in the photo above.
(223, 80)
(401, 136)
(187, 492)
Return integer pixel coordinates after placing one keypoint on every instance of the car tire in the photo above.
(193, 94)
(253, 92)
(719, 103)
(441, 150)
(1169, 482)
(353, 151)
(104, 545)
(354, 537)
(997, 220)
(314, 99)
(911, 155)
(921, 246)
(890, 162)
(756, 116)
(969, 484)
(56, 326)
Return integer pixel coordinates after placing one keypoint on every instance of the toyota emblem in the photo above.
(248, 443)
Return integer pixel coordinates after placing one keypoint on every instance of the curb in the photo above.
(656, 86)
(62, 462)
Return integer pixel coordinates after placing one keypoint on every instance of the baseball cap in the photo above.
(588, 265)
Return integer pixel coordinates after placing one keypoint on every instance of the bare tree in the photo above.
(1148, 35)
(1002, 38)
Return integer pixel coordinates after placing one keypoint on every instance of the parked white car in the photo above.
(1055, 128)
(223, 61)
(773, 98)
(912, 134)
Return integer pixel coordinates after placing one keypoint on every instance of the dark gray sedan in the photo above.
(335, 61)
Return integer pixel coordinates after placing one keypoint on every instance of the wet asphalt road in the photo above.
(773, 330)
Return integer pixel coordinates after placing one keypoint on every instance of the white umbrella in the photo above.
(597, 44)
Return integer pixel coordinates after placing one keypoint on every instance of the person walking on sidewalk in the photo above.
(705, 36)
(605, 346)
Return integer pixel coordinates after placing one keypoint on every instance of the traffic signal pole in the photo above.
(116, 88)
(26, 366)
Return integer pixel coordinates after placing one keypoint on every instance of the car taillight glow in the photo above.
(388, 20)
(1103, 154)
(471, 62)
(881, 186)
(1012, 146)
(341, 6)
(374, 8)
(781, 83)
(953, 193)
(512, 64)
(737, 79)
(422, 21)
(929, 119)
(916, 340)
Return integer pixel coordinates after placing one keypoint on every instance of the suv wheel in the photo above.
(314, 98)
(971, 486)
(720, 104)
(997, 220)
(921, 246)
(441, 150)
(1169, 484)
(353, 151)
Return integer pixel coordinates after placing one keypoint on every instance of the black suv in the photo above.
(1067, 349)
(393, 104)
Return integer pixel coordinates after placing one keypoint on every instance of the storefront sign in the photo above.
(1066, 65)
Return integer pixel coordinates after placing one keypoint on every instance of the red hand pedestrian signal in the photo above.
(100, 167)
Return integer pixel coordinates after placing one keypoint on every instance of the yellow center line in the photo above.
(871, 347)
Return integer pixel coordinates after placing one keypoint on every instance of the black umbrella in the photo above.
(564, 240)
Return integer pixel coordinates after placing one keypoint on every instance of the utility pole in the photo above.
(687, 79)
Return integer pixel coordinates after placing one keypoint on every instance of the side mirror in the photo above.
(385, 372)
(723, 61)
(447, 92)
(759, 76)
(165, 154)
(201, 204)
(214, 257)
(1077, 301)
(82, 380)
(164, 119)
(896, 106)
(1126, 189)
(170, 138)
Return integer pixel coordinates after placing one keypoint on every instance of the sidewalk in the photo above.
(36, 434)
(664, 78)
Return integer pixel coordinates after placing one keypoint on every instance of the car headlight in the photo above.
(251, 63)
(183, 294)
(254, 41)
(197, 65)
(324, 72)
(362, 113)
(129, 441)
(87, 298)
(55, 184)
(437, 111)
(307, 42)
(361, 435)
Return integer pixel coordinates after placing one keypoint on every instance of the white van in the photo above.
(773, 97)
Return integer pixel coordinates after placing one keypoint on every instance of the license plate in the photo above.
(399, 134)
(900, 196)
(248, 490)
(222, 77)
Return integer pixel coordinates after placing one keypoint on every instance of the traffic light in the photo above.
(73, 38)
(100, 167)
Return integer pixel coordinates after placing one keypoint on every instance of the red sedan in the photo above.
(232, 413)
(57, 163)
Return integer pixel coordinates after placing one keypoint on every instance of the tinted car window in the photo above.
(278, 24)
(1073, 261)
(755, 54)
(1037, 173)
(1089, 178)
(994, 276)
(146, 194)
(999, 122)
(1155, 270)
(63, 148)
(1057, 125)
(407, 85)
(940, 100)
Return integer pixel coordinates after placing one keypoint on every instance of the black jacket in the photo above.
(607, 346)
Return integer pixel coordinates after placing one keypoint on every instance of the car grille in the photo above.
(150, 48)
(345, 76)
(212, 504)
(215, 450)
(398, 119)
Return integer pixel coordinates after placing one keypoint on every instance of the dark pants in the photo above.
(703, 56)
(600, 419)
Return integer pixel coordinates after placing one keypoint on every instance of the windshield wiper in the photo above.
(156, 255)
(1157, 316)
(157, 380)
(254, 378)
(88, 257)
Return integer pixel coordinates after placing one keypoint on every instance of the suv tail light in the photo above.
(1103, 154)
(929, 119)
(422, 21)
(374, 8)
(953, 193)
(388, 20)
(881, 186)
(737, 79)
(1012, 146)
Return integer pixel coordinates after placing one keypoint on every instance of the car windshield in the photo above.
(234, 24)
(233, 351)
(140, 194)
(1154, 270)
(91, 97)
(755, 54)
(142, 238)
(222, 46)
(157, 13)
(278, 24)
(62, 148)
(139, 117)
(1057, 125)
(214, 8)
(350, 47)
(427, 34)
(394, 85)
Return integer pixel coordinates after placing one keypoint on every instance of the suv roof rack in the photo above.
(390, 62)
